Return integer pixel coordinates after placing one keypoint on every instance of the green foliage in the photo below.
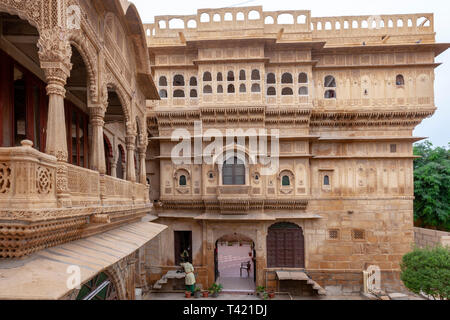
(260, 289)
(432, 186)
(216, 288)
(427, 271)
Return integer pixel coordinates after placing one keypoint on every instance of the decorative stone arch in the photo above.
(222, 232)
(241, 153)
(286, 189)
(24, 13)
(111, 82)
(89, 56)
(117, 280)
(182, 171)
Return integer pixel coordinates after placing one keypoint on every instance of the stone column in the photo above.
(98, 162)
(54, 55)
(131, 171)
(113, 168)
(142, 166)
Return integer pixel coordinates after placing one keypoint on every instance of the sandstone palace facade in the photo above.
(95, 203)
(344, 93)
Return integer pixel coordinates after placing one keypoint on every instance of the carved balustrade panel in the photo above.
(27, 178)
(84, 186)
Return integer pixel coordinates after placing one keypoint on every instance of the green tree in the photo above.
(432, 186)
(427, 271)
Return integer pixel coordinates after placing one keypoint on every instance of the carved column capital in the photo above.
(55, 54)
(130, 142)
(97, 115)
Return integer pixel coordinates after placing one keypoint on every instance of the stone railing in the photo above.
(84, 186)
(28, 181)
(27, 178)
(370, 25)
(296, 25)
(117, 191)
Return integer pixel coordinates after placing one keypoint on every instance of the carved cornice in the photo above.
(234, 205)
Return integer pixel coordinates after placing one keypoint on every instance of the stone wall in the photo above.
(431, 238)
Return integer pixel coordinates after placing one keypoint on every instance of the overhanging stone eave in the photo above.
(43, 276)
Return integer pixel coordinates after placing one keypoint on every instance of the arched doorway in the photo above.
(115, 124)
(101, 287)
(285, 246)
(235, 263)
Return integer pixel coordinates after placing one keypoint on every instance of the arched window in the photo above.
(256, 75)
(233, 172)
(163, 81)
(178, 94)
(287, 78)
(207, 76)
(163, 93)
(193, 93)
(219, 88)
(183, 181)
(303, 91)
(286, 182)
(178, 81)
(400, 80)
(271, 79)
(219, 76)
(271, 91)
(330, 82)
(287, 92)
(326, 180)
(242, 88)
(330, 94)
(231, 88)
(230, 76)
(207, 89)
(193, 82)
(242, 75)
(302, 78)
(256, 88)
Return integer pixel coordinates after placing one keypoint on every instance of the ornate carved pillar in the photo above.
(131, 171)
(98, 162)
(55, 54)
(143, 168)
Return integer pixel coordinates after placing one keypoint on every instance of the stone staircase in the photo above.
(301, 276)
(171, 275)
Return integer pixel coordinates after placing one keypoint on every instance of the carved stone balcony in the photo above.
(33, 218)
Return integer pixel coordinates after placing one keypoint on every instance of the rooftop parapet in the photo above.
(286, 25)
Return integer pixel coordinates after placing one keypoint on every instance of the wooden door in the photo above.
(285, 247)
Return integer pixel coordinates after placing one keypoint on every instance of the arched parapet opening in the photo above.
(89, 55)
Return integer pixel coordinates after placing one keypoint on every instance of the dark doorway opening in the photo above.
(183, 242)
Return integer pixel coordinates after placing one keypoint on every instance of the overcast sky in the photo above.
(437, 128)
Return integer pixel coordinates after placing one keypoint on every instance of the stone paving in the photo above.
(242, 297)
